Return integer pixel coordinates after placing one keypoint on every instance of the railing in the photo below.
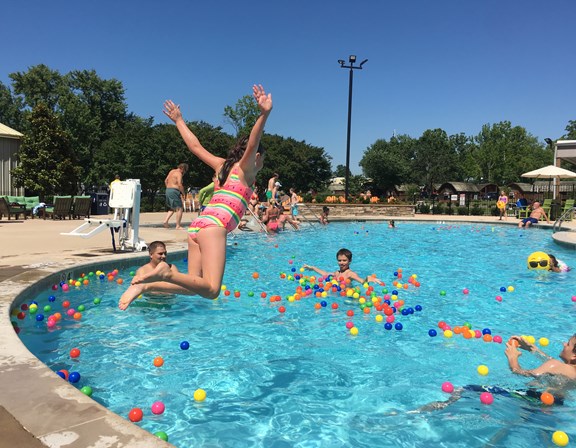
(566, 216)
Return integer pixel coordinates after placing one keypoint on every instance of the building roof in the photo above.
(7, 132)
(460, 187)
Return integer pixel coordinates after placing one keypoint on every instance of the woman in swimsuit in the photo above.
(208, 232)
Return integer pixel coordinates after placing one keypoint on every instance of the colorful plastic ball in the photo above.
(51, 299)
(432, 333)
(543, 342)
(65, 287)
(448, 333)
(510, 288)
(70, 312)
(483, 370)
(255, 275)
(158, 408)
(418, 307)
(497, 339)
(74, 353)
(466, 291)
(442, 293)
(350, 313)
(282, 309)
(398, 326)
(81, 308)
(65, 304)
(486, 331)
(161, 435)
(498, 298)
(39, 317)
(97, 301)
(74, 377)
(447, 387)
(184, 345)
(63, 374)
(86, 390)
(47, 308)
(334, 306)
(379, 318)
(51, 323)
(135, 415)
(560, 438)
(486, 398)
(502, 288)
(547, 398)
(199, 395)
(77, 316)
(54, 287)
(158, 361)
(354, 331)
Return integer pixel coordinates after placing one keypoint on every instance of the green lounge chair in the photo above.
(568, 205)
(9, 210)
(61, 209)
(81, 206)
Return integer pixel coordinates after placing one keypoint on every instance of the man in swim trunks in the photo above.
(174, 194)
(271, 187)
(535, 216)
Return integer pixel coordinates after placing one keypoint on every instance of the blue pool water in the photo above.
(299, 379)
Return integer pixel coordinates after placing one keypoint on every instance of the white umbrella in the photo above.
(550, 172)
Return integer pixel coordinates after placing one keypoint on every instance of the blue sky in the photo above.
(452, 64)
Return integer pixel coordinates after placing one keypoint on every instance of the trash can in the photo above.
(99, 204)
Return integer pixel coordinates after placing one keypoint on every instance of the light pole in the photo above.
(550, 143)
(352, 67)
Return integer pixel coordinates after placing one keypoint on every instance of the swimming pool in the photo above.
(299, 378)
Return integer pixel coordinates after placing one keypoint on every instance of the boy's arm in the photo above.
(172, 111)
(315, 269)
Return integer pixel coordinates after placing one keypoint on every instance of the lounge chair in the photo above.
(568, 205)
(547, 205)
(9, 210)
(61, 209)
(81, 206)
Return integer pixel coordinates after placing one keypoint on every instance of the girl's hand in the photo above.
(264, 100)
(172, 110)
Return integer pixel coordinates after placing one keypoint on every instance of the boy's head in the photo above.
(344, 258)
(157, 251)
(325, 209)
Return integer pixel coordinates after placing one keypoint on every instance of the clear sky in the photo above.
(450, 64)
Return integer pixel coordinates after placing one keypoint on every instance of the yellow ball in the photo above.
(543, 342)
(324, 294)
(530, 339)
(414, 276)
(200, 395)
(223, 287)
(302, 269)
(362, 300)
(365, 285)
(483, 370)
(379, 318)
(394, 297)
(356, 295)
(538, 260)
(354, 331)
(77, 284)
(33, 307)
(510, 288)
(560, 438)
(448, 333)
(349, 292)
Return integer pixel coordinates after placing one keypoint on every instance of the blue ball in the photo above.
(432, 333)
(405, 312)
(323, 303)
(502, 288)
(293, 269)
(184, 345)
(51, 299)
(398, 326)
(395, 274)
(74, 377)
(394, 292)
(316, 286)
(486, 331)
(418, 308)
(388, 326)
(39, 317)
(410, 310)
(62, 283)
(101, 276)
(61, 375)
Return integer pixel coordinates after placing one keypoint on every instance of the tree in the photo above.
(243, 115)
(340, 171)
(435, 159)
(10, 109)
(570, 130)
(47, 164)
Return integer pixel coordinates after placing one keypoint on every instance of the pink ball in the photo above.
(499, 298)
(465, 290)
(51, 323)
(290, 261)
(486, 398)
(387, 297)
(447, 387)
(349, 325)
(158, 407)
(65, 287)
(573, 298)
(70, 311)
(477, 334)
(390, 318)
(497, 339)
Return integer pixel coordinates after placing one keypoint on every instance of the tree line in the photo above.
(79, 134)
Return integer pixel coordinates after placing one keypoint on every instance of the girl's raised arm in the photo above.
(265, 105)
(172, 111)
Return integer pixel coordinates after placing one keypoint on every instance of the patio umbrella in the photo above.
(550, 172)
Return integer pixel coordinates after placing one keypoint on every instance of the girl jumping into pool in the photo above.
(207, 233)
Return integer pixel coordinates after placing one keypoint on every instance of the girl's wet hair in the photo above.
(234, 156)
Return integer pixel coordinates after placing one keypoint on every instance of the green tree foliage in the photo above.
(570, 130)
(435, 158)
(387, 163)
(340, 171)
(47, 164)
(504, 152)
(243, 115)
(11, 109)
(301, 166)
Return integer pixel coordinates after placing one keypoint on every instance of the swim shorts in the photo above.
(531, 220)
(173, 198)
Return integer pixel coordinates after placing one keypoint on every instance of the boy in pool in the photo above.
(344, 257)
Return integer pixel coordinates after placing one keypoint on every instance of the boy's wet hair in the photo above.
(154, 245)
(346, 253)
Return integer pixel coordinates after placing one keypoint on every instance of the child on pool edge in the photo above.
(344, 258)
(207, 234)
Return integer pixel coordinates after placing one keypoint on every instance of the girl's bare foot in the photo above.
(160, 272)
(129, 296)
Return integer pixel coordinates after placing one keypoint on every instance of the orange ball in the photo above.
(236, 294)
(366, 310)
(263, 295)
(119, 281)
(158, 361)
(74, 353)
(77, 315)
(255, 275)
(317, 306)
(547, 398)
(86, 282)
(513, 342)
(487, 338)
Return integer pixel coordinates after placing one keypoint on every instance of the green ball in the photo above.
(442, 293)
(385, 291)
(132, 273)
(47, 308)
(368, 304)
(91, 274)
(162, 435)
(97, 301)
(250, 294)
(32, 310)
(86, 390)
(468, 325)
(81, 307)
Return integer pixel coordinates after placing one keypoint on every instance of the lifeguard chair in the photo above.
(125, 200)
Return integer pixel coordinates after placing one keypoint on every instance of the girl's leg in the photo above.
(210, 249)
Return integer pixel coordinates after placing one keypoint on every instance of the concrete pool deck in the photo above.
(38, 408)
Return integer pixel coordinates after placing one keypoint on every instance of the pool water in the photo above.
(299, 378)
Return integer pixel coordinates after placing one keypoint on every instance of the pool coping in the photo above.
(46, 397)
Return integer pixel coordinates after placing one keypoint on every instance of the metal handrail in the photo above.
(311, 211)
(558, 223)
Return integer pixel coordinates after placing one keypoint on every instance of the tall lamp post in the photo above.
(550, 143)
(352, 67)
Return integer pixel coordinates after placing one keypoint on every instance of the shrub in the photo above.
(476, 211)
(494, 211)
(320, 198)
(439, 209)
(462, 211)
(423, 209)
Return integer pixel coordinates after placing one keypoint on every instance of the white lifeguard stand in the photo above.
(125, 200)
